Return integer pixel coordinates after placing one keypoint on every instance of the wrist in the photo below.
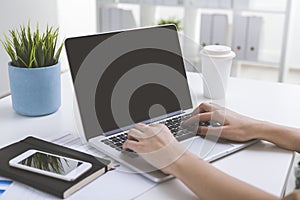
(263, 130)
(164, 156)
(178, 165)
(259, 129)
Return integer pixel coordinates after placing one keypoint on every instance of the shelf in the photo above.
(191, 12)
(261, 11)
(258, 62)
(107, 1)
(138, 2)
(196, 60)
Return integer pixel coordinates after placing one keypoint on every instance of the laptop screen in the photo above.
(125, 77)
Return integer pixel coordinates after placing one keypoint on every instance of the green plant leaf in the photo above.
(171, 20)
(7, 44)
(22, 63)
(56, 57)
(28, 48)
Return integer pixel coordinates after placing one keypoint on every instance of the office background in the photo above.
(80, 17)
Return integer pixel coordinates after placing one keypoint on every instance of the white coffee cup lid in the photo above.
(217, 51)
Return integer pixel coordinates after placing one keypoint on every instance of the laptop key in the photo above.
(129, 153)
(215, 124)
(185, 136)
(174, 124)
(119, 144)
(119, 148)
(210, 123)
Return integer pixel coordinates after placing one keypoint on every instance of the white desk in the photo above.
(262, 165)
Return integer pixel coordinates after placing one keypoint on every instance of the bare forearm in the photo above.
(282, 136)
(209, 183)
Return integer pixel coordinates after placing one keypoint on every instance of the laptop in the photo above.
(126, 77)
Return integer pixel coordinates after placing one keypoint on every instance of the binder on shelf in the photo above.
(158, 2)
(189, 3)
(253, 37)
(219, 29)
(212, 3)
(108, 1)
(104, 19)
(180, 2)
(148, 2)
(115, 19)
(127, 19)
(201, 3)
(240, 4)
(226, 4)
(129, 1)
(206, 29)
(239, 36)
(170, 2)
(196, 3)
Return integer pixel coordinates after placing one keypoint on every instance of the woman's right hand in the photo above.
(234, 127)
(293, 196)
(155, 144)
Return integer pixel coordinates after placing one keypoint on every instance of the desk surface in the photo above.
(262, 165)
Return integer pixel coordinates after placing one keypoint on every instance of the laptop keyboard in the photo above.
(179, 132)
(174, 124)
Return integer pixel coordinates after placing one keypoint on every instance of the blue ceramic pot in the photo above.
(35, 91)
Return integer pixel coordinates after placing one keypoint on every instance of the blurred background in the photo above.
(264, 33)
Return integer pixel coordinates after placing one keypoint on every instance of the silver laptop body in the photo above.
(125, 77)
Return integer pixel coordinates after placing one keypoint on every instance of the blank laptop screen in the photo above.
(126, 77)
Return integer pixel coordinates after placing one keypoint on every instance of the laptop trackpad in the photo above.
(206, 148)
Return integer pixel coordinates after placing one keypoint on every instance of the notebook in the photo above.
(57, 187)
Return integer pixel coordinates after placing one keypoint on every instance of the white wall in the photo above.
(293, 58)
(76, 18)
(273, 29)
(16, 12)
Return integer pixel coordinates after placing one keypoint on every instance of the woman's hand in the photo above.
(156, 144)
(293, 196)
(234, 126)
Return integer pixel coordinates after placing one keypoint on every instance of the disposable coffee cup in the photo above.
(216, 65)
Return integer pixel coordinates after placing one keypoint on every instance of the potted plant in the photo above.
(171, 20)
(34, 70)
